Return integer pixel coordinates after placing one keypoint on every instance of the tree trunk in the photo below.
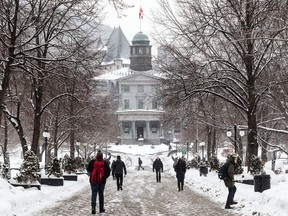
(252, 145)
(37, 115)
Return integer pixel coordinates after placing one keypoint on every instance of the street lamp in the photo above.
(46, 135)
(202, 144)
(229, 134)
(78, 147)
(85, 146)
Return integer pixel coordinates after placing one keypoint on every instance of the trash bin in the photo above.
(261, 183)
(203, 170)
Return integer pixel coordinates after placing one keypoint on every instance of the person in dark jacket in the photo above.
(158, 167)
(98, 188)
(230, 182)
(180, 169)
(140, 164)
(113, 174)
(117, 171)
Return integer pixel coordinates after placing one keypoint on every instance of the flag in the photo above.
(141, 13)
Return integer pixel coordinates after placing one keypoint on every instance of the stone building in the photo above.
(138, 110)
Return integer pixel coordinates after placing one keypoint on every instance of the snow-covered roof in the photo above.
(124, 62)
(124, 72)
(117, 45)
(114, 75)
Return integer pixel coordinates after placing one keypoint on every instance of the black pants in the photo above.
(180, 182)
(158, 175)
(119, 180)
(231, 193)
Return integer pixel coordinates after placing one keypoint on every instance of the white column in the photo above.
(148, 129)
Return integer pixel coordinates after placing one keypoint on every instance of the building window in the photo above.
(140, 88)
(147, 51)
(126, 104)
(154, 130)
(126, 130)
(126, 88)
(140, 104)
(140, 50)
(154, 104)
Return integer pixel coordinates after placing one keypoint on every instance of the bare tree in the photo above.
(45, 35)
(226, 49)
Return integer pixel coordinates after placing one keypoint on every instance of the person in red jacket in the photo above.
(98, 187)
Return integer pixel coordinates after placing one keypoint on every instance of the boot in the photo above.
(227, 206)
(93, 209)
(102, 210)
(233, 203)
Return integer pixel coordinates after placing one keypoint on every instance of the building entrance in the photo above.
(140, 132)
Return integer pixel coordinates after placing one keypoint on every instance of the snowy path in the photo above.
(140, 197)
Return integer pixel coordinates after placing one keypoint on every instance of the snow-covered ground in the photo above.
(274, 201)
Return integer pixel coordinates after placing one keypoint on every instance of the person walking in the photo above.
(117, 171)
(140, 164)
(158, 167)
(112, 169)
(180, 169)
(99, 170)
(230, 182)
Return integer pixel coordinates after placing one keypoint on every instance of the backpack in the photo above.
(223, 171)
(98, 172)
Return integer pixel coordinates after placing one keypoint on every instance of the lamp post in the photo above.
(78, 148)
(202, 144)
(46, 136)
(229, 134)
(85, 148)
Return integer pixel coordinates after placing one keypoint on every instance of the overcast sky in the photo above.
(131, 23)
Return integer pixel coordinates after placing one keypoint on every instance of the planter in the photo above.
(52, 181)
(25, 185)
(70, 177)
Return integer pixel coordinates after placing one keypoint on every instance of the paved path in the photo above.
(141, 195)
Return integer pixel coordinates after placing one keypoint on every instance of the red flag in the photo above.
(141, 13)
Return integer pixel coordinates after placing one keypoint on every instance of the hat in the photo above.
(99, 155)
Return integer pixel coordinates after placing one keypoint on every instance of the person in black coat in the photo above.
(180, 169)
(140, 164)
(98, 188)
(158, 167)
(117, 171)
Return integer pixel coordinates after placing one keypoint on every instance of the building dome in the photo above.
(140, 36)
(140, 53)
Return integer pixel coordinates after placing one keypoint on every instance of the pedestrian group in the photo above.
(119, 170)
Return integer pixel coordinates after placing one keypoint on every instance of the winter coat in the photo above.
(107, 169)
(180, 169)
(118, 167)
(158, 165)
(229, 181)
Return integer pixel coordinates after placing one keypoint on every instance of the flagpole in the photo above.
(140, 17)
